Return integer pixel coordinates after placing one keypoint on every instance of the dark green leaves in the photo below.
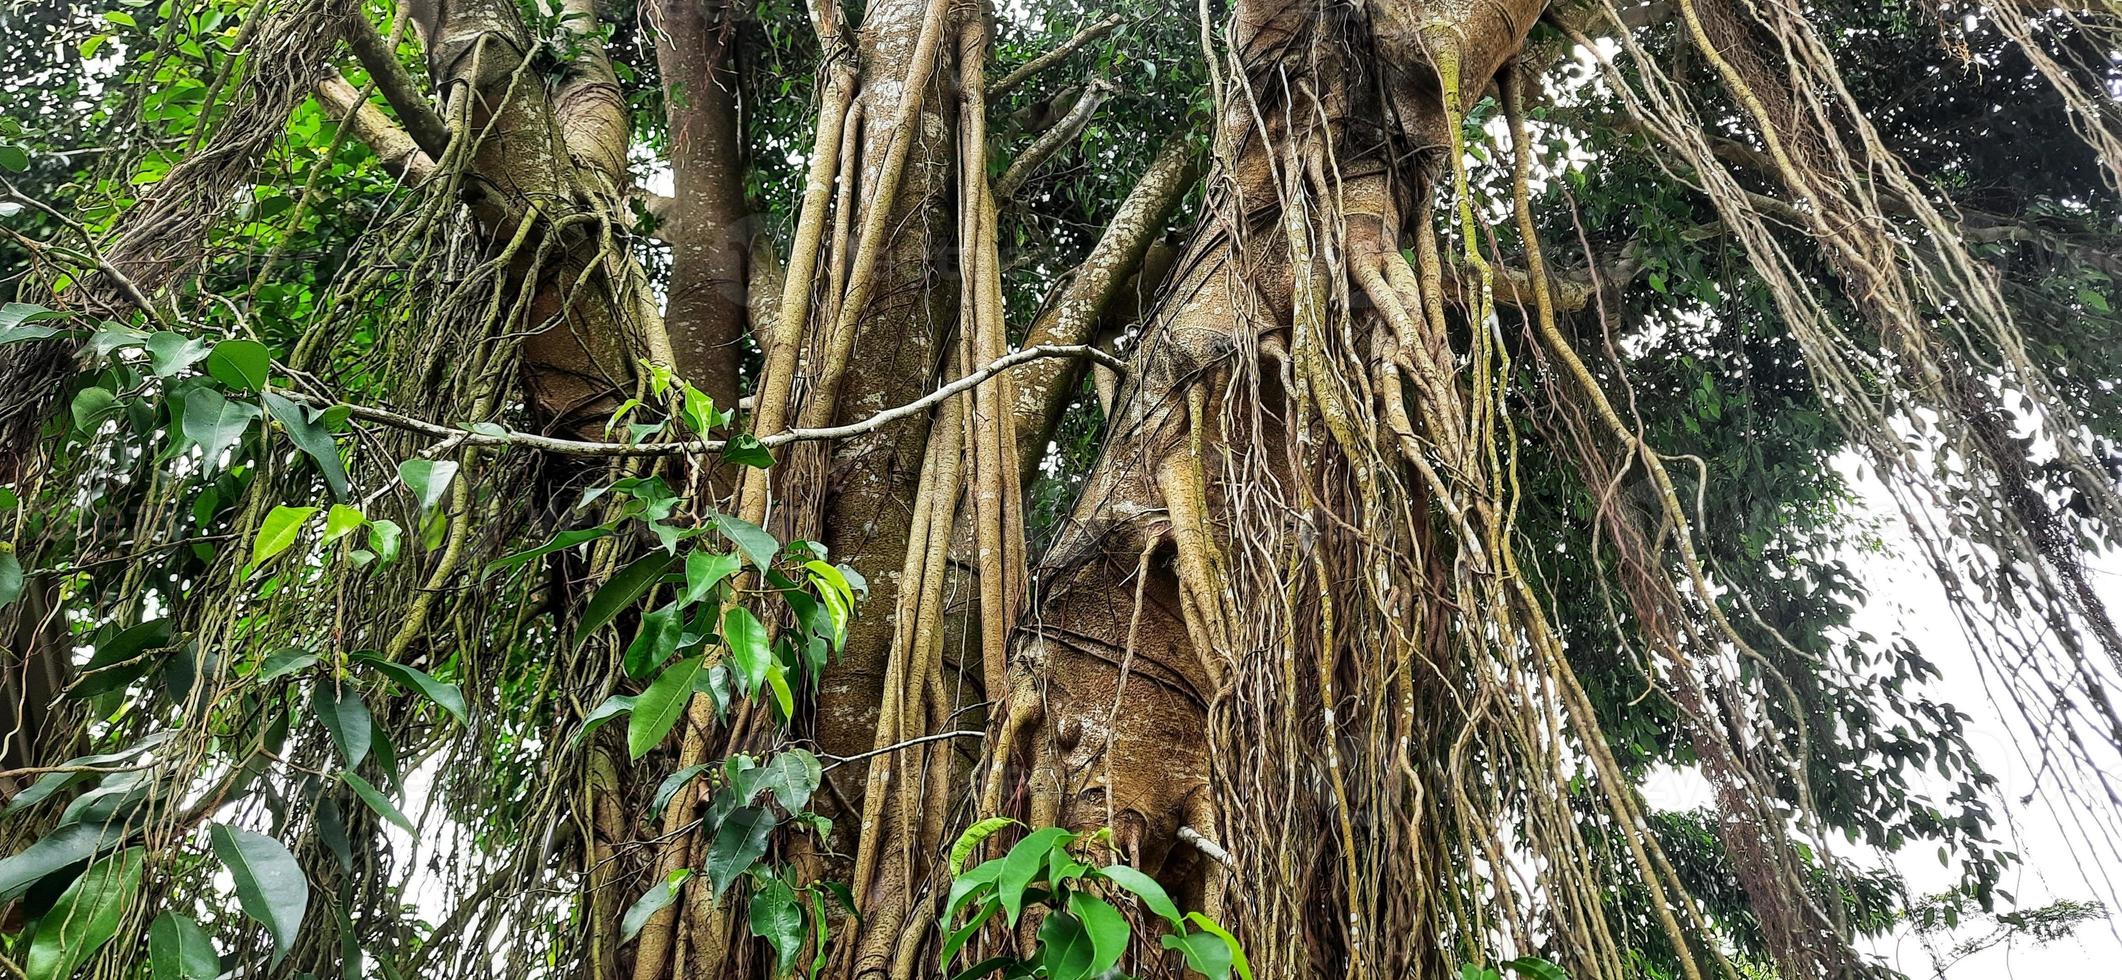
(673, 783)
(448, 697)
(92, 406)
(625, 588)
(376, 801)
(10, 578)
(1105, 926)
(56, 850)
(1145, 888)
(1536, 968)
(658, 898)
(177, 949)
(1065, 948)
(215, 423)
(792, 776)
(777, 917)
(1023, 863)
(748, 649)
(739, 843)
(756, 544)
(269, 882)
(658, 709)
(704, 570)
(85, 916)
(339, 707)
(239, 364)
(310, 437)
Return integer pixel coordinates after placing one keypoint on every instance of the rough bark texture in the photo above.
(705, 307)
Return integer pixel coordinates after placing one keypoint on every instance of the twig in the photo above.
(576, 447)
(841, 760)
(1040, 63)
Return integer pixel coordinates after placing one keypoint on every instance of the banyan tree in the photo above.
(693, 489)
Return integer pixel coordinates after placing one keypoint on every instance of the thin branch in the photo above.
(1044, 61)
(841, 760)
(577, 447)
(126, 286)
(1070, 126)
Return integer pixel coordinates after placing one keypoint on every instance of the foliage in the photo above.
(1045, 878)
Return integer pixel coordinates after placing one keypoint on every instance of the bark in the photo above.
(1141, 618)
(705, 309)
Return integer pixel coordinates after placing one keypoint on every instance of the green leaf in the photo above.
(756, 544)
(674, 782)
(1237, 955)
(448, 697)
(748, 648)
(784, 698)
(278, 533)
(658, 709)
(1145, 888)
(1065, 948)
(704, 570)
(963, 934)
(1022, 864)
(1537, 968)
(282, 663)
(177, 949)
(331, 826)
(269, 882)
(623, 589)
(377, 801)
(559, 542)
(92, 406)
(739, 843)
(10, 579)
(658, 898)
(972, 838)
(428, 479)
(383, 535)
(1107, 928)
(312, 438)
(1206, 953)
(169, 352)
(54, 851)
(777, 917)
(14, 158)
(613, 707)
(746, 450)
(240, 364)
(51, 783)
(698, 410)
(792, 776)
(341, 521)
(339, 707)
(85, 917)
(655, 642)
(215, 423)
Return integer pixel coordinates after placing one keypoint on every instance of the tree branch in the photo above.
(1070, 126)
(422, 123)
(496, 436)
(1047, 60)
(399, 152)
